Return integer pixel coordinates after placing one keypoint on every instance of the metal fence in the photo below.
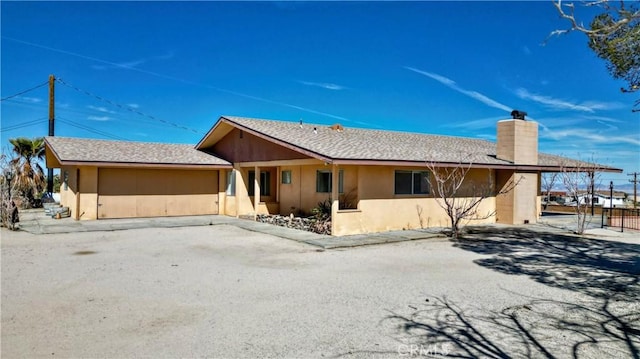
(622, 218)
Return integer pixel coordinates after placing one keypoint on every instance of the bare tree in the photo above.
(549, 180)
(459, 196)
(613, 34)
(580, 180)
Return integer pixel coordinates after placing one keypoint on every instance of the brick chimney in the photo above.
(517, 140)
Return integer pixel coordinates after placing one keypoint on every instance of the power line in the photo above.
(128, 108)
(24, 124)
(25, 91)
(90, 129)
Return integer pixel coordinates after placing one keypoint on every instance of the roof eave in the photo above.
(145, 165)
(506, 166)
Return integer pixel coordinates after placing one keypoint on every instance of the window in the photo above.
(411, 182)
(265, 183)
(323, 181)
(231, 183)
(286, 177)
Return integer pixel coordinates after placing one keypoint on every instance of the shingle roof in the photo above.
(378, 145)
(68, 149)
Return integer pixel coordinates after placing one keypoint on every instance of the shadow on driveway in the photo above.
(603, 322)
(599, 268)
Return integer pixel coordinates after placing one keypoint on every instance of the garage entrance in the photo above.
(127, 193)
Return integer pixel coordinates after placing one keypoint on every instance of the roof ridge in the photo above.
(359, 128)
(119, 141)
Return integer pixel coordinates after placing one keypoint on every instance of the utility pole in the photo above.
(52, 81)
(592, 180)
(635, 186)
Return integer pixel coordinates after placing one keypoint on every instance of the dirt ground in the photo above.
(221, 291)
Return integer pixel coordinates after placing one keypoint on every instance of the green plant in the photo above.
(349, 200)
(323, 209)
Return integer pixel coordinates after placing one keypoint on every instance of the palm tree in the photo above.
(28, 178)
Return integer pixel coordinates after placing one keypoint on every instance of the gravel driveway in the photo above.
(221, 291)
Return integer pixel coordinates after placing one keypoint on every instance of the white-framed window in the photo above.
(286, 177)
(323, 181)
(265, 183)
(231, 183)
(411, 182)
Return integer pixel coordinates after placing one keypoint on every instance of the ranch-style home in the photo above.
(375, 179)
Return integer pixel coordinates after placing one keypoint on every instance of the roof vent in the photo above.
(337, 127)
(518, 115)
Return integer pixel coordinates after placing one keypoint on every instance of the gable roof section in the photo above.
(80, 151)
(361, 146)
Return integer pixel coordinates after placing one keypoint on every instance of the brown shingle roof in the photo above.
(378, 145)
(78, 150)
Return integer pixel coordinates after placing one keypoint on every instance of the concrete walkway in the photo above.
(36, 222)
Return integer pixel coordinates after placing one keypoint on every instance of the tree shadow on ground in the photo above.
(603, 322)
(538, 329)
(598, 268)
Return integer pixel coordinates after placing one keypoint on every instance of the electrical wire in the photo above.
(90, 129)
(127, 108)
(24, 124)
(24, 92)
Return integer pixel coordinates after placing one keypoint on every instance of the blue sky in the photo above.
(452, 68)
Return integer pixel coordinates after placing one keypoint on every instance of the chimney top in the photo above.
(518, 115)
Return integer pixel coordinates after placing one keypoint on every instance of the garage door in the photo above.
(126, 193)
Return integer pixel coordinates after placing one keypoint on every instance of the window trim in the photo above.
(413, 184)
(286, 179)
(265, 183)
(231, 183)
(330, 182)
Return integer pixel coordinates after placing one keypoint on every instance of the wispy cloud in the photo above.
(526, 50)
(132, 64)
(560, 104)
(454, 86)
(30, 99)
(100, 109)
(478, 124)
(133, 105)
(324, 85)
(122, 65)
(99, 118)
(590, 135)
(189, 82)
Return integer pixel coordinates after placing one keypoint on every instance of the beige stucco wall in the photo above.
(380, 209)
(69, 190)
(300, 195)
(522, 204)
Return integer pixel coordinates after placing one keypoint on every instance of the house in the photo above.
(603, 198)
(243, 167)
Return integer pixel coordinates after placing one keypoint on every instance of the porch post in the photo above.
(256, 191)
(335, 197)
(238, 179)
